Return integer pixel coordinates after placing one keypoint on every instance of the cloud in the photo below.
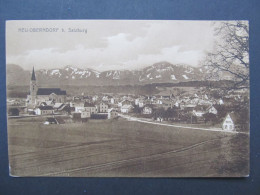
(113, 45)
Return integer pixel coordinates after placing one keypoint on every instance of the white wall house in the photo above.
(112, 113)
(141, 104)
(44, 110)
(228, 123)
(212, 110)
(147, 110)
(126, 108)
(103, 107)
(220, 102)
(198, 113)
(85, 114)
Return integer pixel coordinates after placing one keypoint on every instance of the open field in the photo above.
(120, 148)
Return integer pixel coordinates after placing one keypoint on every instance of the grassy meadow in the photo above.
(121, 148)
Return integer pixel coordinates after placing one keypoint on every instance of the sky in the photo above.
(106, 44)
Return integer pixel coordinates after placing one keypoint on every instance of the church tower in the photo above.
(33, 89)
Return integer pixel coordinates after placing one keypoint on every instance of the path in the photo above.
(130, 118)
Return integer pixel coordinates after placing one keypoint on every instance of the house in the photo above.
(79, 106)
(103, 107)
(165, 97)
(147, 110)
(141, 104)
(99, 116)
(44, 110)
(206, 97)
(50, 120)
(167, 104)
(50, 102)
(126, 108)
(229, 122)
(85, 114)
(105, 98)
(199, 110)
(13, 112)
(89, 107)
(159, 101)
(198, 113)
(124, 102)
(80, 117)
(220, 102)
(159, 119)
(43, 104)
(54, 120)
(57, 106)
(212, 110)
(177, 104)
(112, 113)
(95, 98)
(137, 100)
(112, 101)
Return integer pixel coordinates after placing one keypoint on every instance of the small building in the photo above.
(85, 114)
(54, 120)
(199, 110)
(105, 98)
(159, 119)
(95, 98)
(124, 102)
(80, 116)
(50, 120)
(212, 110)
(229, 122)
(44, 110)
(112, 113)
(167, 104)
(126, 108)
(112, 101)
(99, 116)
(141, 103)
(79, 106)
(13, 112)
(103, 108)
(138, 100)
(57, 106)
(147, 110)
(220, 102)
(91, 108)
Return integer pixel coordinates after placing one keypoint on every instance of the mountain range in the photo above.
(162, 72)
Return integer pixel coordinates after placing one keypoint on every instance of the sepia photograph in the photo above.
(128, 98)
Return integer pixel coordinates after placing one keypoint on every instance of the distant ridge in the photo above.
(161, 72)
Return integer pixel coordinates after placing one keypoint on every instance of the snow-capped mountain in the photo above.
(162, 72)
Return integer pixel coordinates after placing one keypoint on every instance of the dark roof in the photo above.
(33, 75)
(201, 107)
(87, 104)
(235, 117)
(48, 91)
(45, 107)
(51, 120)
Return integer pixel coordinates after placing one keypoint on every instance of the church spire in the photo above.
(33, 75)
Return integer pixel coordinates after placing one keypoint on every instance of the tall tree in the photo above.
(231, 53)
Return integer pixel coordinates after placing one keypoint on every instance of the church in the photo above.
(39, 95)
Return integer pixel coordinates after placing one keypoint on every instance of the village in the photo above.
(203, 107)
(167, 106)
